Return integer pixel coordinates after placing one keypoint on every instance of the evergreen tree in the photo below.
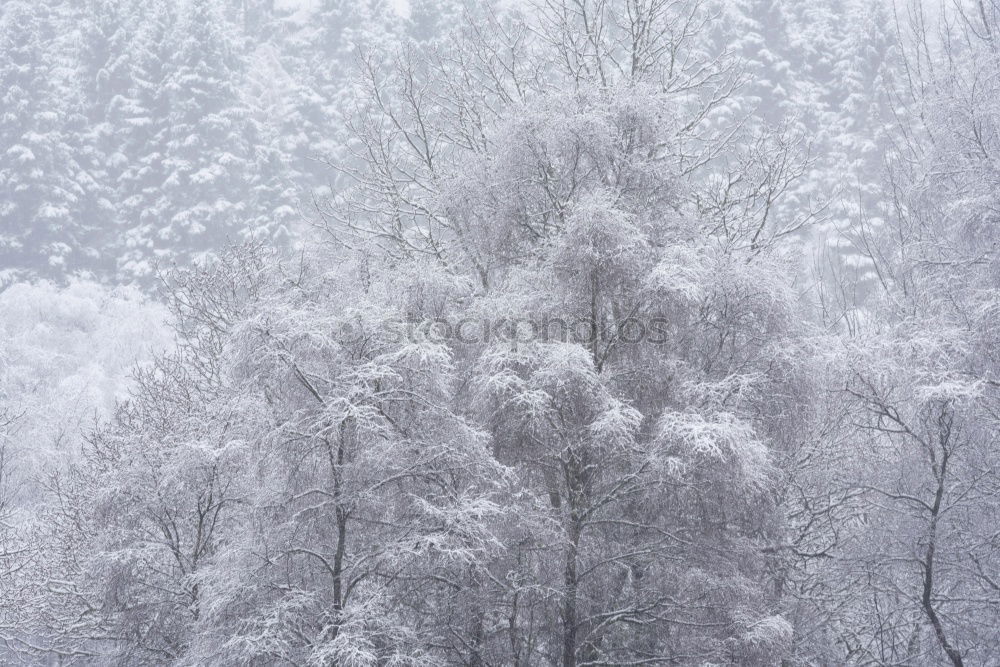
(206, 176)
(40, 192)
(105, 136)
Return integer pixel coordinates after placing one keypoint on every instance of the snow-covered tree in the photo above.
(556, 175)
(66, 358)
(269, 491)
(39, 186)
(552, 377)
(913, 556)
(207, 177)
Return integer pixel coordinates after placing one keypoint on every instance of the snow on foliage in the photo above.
(617, 332)
(67, 357)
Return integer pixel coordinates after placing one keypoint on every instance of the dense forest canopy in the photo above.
(526, 332)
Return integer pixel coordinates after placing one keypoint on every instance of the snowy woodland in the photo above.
(339, 333)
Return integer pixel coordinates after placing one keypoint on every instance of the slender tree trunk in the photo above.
(926, 598)
(569, 601)
(574, 493)
(341, 516)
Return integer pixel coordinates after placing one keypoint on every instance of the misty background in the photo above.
(214, 215)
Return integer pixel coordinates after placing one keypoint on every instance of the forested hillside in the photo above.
(527, 332)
